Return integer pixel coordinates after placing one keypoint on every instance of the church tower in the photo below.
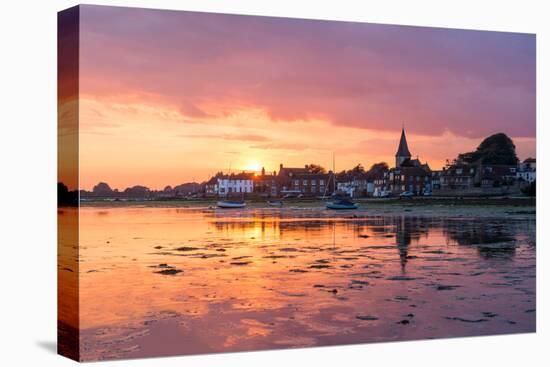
(403, 153)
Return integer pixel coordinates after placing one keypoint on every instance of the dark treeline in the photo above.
(103, 190)
(66, 197)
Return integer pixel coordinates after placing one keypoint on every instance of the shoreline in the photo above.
(458, 208)
(306, 202)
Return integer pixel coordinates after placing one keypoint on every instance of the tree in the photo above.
(354, 172)
(316, 168)
(495, 149)
(378, 168)
(102, 189)
(359, 169)
(66, 197)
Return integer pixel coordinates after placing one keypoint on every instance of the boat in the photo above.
(339, 202)
(275, 203)
(231, 204)
(342, 204)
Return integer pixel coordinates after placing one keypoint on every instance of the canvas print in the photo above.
(234, 183)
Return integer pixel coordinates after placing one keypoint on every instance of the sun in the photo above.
(253, 166)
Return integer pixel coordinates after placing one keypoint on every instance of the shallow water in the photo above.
(165, 281)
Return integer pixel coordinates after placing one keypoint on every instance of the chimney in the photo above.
(280, 166)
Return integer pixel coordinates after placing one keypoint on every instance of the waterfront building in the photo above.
(304, 181)
(527, 170)
(266, 184)
(240, 183)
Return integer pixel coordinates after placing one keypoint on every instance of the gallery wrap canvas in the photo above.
(233, 183)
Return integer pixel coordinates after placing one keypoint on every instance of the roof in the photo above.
(312, 176)
(212, 181)
(237, 176)
(350, 176)
(403, 149)
(411, 171)
(286, 171)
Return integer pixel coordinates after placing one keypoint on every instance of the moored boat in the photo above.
(275, 203)
(342, 204)
(340, 201)
(231, 204)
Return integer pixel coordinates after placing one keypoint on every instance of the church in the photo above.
(408, 174)
(403, 157)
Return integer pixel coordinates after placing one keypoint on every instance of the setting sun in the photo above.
(253, 166)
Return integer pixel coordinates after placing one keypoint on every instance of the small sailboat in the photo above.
(228, 204)
(339, 203)
(232, 204)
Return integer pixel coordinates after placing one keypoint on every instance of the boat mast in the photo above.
(333, 172)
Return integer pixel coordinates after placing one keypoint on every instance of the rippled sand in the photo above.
(166, 281)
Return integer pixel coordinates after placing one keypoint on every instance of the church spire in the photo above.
(403, 152)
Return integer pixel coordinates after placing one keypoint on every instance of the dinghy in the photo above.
(342, 204)
(275, 203)
(231, 204)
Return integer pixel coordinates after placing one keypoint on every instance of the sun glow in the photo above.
(253, 166)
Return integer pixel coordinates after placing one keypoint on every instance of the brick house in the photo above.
(301, 181)
(266, 184)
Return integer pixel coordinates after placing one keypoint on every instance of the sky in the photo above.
(167, 97)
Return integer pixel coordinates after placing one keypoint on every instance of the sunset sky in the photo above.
(168, 97)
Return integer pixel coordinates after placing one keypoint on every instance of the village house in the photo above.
(436, 180)
(234, 184)
(266, 184)
(312, 184)
(496, 175)
(211, 186)
(527, 170)
(359, 184)
(460, 175)
(304, 182)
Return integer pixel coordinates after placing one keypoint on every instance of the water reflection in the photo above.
(492, 238)
(164, 281)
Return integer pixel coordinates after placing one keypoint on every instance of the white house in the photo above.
(359, 185)
(235, 184)
(527, 170)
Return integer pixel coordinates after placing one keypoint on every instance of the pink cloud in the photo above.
(470, 83)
